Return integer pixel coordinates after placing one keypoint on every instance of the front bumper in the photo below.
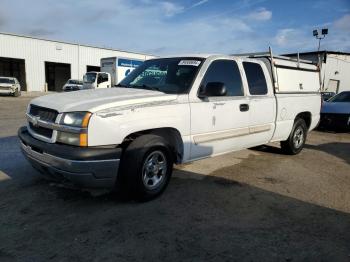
(71, 88)
(86, 167)
(7, 91)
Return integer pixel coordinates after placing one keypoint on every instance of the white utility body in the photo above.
(174, 110)
(113, 70)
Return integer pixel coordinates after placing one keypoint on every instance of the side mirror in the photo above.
(213, 89)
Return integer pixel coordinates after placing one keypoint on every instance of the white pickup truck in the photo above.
(169, 111)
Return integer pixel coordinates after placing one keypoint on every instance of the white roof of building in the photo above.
(70, 43)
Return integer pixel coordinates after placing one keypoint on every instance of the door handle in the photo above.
(243, 107)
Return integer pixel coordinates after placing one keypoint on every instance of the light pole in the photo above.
(320, 34)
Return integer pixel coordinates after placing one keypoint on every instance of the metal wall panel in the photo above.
(337, 68)
(36, 52)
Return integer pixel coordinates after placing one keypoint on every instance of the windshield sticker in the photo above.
(190, 62)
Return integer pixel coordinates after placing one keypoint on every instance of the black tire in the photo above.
(133, 180)
(296, 140)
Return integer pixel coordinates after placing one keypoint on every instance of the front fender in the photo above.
(114, 127)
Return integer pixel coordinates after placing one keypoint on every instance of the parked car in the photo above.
(327, 95)
(73, 85)
(10, 86)
(335, 113)
(171, 110)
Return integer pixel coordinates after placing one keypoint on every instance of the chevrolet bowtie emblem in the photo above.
(35, 120)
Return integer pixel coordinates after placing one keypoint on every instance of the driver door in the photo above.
(219, 123)
(103, 80)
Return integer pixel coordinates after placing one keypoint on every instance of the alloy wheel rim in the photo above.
(154, 169)
(298, 137)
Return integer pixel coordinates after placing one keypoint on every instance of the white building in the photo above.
(335, 71)
(39, 63)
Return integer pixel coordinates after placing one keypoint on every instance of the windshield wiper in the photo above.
(121, 85)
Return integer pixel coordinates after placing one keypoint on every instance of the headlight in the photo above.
(79, 121)
(76, 119)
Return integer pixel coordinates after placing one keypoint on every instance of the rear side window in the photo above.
(227, 72)
(256, 78)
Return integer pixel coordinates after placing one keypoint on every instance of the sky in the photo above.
(163, 27)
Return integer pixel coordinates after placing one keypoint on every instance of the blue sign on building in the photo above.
(129, 62)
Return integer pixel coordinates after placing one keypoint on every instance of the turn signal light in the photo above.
(83, 139)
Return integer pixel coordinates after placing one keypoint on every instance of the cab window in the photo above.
(256, 78)
(226, 72)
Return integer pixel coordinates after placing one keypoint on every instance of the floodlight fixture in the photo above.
(320, 34)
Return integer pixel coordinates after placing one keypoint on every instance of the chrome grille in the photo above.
(41, 130)
(45, 114)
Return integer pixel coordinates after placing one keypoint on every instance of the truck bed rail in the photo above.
(283, 71)
(270, 55)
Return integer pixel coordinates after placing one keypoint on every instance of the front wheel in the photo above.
(296, 140)
(146, 167)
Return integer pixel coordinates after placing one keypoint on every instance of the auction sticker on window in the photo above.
(190, 62)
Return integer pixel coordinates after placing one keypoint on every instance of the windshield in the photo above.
(341, 97)
(75, 82)
(167, 75)
(89, 78)
(7, 81)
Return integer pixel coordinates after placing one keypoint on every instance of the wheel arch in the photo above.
(306, 116)
(170, 134)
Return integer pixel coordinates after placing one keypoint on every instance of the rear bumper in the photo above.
(85, 167)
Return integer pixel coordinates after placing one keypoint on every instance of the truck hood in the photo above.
(100, 99)
(336, 108)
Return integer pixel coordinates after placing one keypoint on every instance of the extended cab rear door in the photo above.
(262, 102)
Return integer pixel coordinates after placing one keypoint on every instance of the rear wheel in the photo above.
(146, 167)
(296, 140)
